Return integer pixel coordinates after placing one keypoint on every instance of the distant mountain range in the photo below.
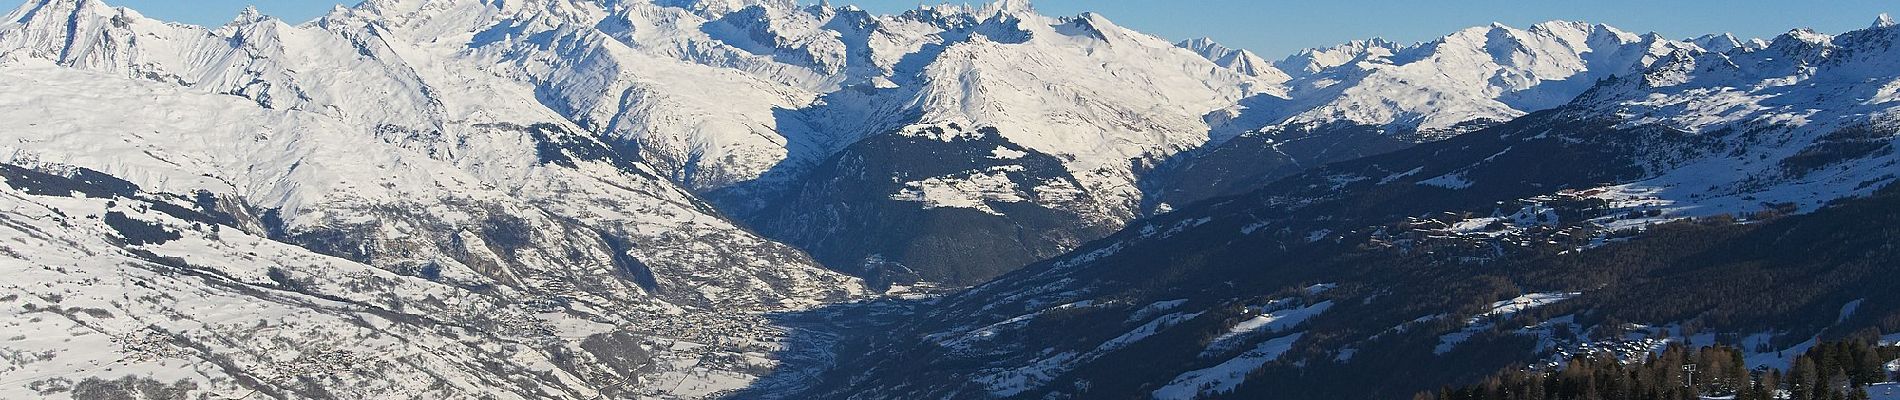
(768, 199)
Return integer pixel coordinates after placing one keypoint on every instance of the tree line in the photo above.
(1839, 370)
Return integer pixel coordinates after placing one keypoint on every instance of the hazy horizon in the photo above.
(1277, 28)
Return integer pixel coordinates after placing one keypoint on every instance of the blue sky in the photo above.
(1275, 28)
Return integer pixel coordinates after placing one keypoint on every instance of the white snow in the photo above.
(1883, 391)
(416, 123)
(1268, 322)
(1156, 308)
(382, 120)
(1401, 175)
(1452, 181)
(1501, 309)
(1014, 381)
(1004, 153)
(973, 190)
(1495, 72)
(1242, 61)
(967, 338)
(1529, 301)
(1847, 311)
(1783, 358)
(1227, 375)
(1319, 288)
(1144, 331)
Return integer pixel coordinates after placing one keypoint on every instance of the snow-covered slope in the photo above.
(115, 292)
(1239, 60)
(369, 153)
(752, 103)
(1367, 97)
(1806, 119)
(1564, 231)
(1495, 72)
(338, 138)
(1103, 101)
(546, 160)
(739, 100)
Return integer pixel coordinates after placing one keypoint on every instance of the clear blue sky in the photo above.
(1275, 28)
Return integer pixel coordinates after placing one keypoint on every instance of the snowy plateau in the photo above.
(696, 199)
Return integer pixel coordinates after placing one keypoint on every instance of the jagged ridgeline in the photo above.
(1636, 215)
(749, 103)
(683, 199)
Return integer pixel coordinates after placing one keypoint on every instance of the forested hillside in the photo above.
(1843, 370)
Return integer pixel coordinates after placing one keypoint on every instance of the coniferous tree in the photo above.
(1721, 371)
(1770, 385)
(1754, 391)
(1803, 379)
(1868, 364)
(1738, 377)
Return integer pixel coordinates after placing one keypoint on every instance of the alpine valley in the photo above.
(773, 199)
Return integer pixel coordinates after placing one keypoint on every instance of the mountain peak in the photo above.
(1313, 60)
(248, 15)
(1883, 21)
(1718, 43)
(56, 17)
(1010, 6)
(46, 3)
(1553, 25)
(32, 6)
(1206, 46)
(1093, 25)
(722, 7)
(1803, 35)
(1242, 61)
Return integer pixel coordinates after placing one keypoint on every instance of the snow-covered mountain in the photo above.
(1368, 97)
(371, 157)
(637, 198)
(342, 126)
(1239, 60)
(1495, 72)
(763, 107)
(743, 102)
(1606, 224)
(1100, 100)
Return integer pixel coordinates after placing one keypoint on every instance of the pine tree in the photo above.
(1721, 371)
(1803, 380)
(1752, 391)
(1770, 384)
(1737, 376)
(1869, 366)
